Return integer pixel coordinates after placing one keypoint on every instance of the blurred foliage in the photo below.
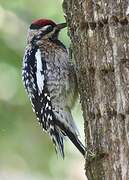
(25, 151)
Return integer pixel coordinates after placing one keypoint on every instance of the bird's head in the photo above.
(44, 29)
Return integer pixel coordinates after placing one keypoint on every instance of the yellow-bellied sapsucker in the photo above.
(50, 81)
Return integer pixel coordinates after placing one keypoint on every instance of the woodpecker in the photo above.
(50, 81)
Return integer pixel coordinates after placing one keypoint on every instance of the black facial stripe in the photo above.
(36, 26)
(49, 29)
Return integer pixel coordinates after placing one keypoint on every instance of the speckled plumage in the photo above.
(52, 87)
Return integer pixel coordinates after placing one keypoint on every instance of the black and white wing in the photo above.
(35, 82)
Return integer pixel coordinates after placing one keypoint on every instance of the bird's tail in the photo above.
(75, 140)
(72, 136)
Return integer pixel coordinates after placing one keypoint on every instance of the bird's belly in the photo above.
(58, 86)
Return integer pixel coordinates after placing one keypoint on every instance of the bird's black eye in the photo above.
(47, 28)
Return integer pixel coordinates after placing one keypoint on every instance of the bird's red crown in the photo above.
(43, 22)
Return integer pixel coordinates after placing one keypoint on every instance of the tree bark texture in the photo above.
(99, 33)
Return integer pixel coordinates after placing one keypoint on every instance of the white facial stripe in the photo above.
(39, 74)
(45, 27)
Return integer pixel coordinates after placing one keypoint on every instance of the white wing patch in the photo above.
(39, 73)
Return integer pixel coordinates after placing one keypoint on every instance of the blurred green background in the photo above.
(26, 152)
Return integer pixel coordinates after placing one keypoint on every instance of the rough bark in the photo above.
(99, 33)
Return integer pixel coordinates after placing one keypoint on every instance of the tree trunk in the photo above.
(99, 34)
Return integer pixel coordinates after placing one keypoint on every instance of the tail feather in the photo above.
(73, 137)
(60, 143)
(57, 139)
(76, 142)
(58, 130)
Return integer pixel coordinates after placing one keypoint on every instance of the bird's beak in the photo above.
(61, 26)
